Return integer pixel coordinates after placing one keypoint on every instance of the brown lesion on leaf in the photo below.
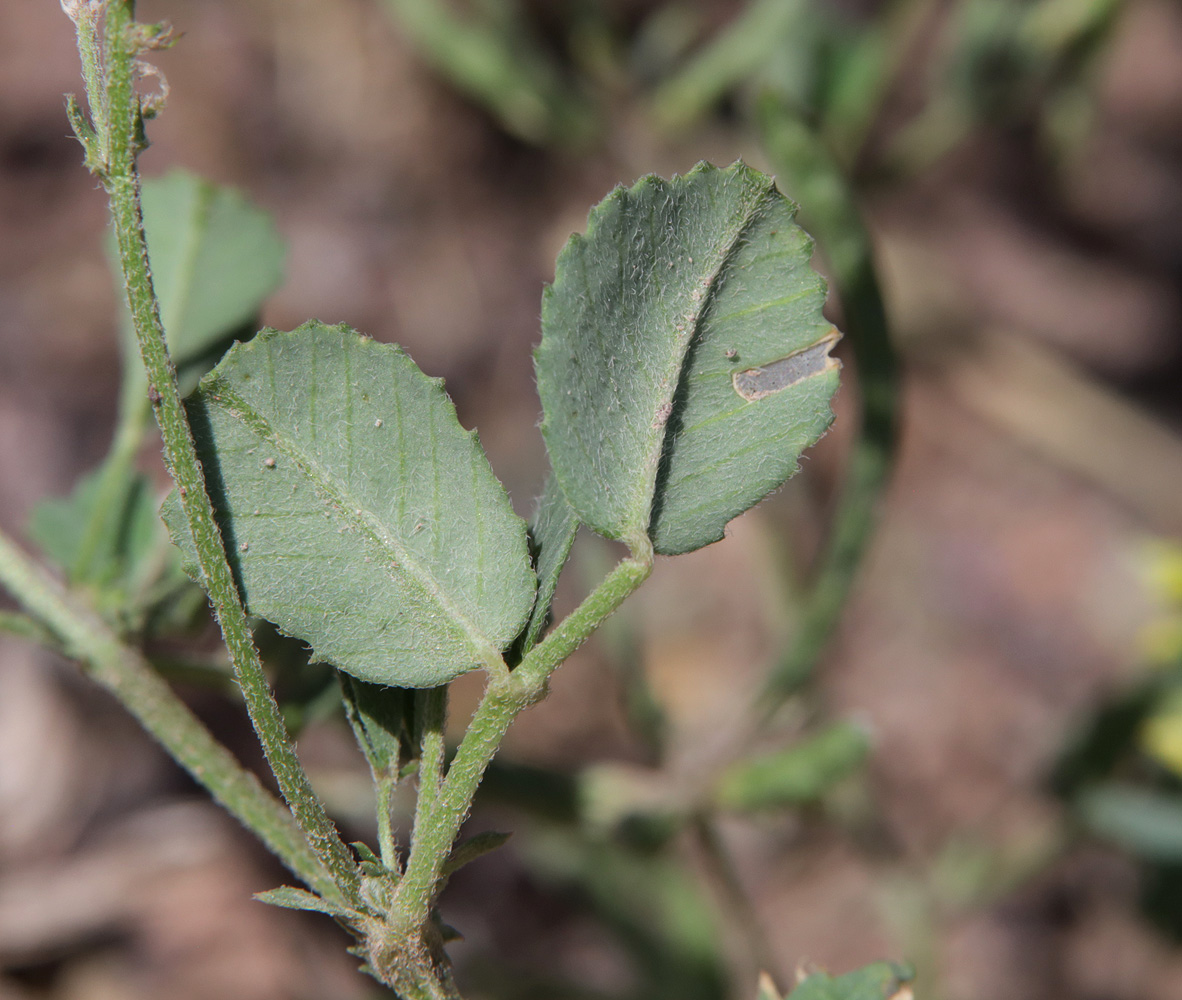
(756, 383)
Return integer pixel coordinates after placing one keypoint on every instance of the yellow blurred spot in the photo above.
(1165, 571)
(1161, 641)
(1161, 734)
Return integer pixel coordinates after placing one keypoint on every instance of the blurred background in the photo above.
(981, 770)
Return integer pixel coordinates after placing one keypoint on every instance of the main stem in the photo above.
(122, 42)
(124, 672)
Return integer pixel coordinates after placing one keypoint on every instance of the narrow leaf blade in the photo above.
(290, 898)
(796, 775)
(1141, 820)
(684, 360)
(471, 849)
(358, 515)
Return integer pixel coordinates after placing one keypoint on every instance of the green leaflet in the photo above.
(684, 359)
(58, 525)
(215, 257)
(1141, 820)
(879, 981)
(290, 898)
(382, 720)
(357, 514)
(474, 847)
(795, 775)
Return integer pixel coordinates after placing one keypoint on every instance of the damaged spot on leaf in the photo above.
(755, 383)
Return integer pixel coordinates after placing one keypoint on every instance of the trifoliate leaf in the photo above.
(684, 360)
(358, 515)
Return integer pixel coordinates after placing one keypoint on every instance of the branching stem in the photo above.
(113, 146)
(125, 673)
(504, 699)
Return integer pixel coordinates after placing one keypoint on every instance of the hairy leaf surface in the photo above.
(378, 716)
(684, 360)
(358, 515)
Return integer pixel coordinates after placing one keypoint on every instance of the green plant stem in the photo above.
(384, 785)
(504, 698)
(135, 415)
(743, 45)
(431, 715)
(734, 903)
(126, 674)
(123, 41)
(494, 61)
(573, 631)
(828, 210)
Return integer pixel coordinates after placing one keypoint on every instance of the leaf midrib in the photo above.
(346, 508)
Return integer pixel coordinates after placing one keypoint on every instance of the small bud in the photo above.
(76, 10)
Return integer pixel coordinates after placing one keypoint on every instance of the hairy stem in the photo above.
(115, 108)
(431, 716)
(504, 699)
(126, 674)
(384, 785)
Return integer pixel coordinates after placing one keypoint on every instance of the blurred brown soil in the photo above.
(1003, 597)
